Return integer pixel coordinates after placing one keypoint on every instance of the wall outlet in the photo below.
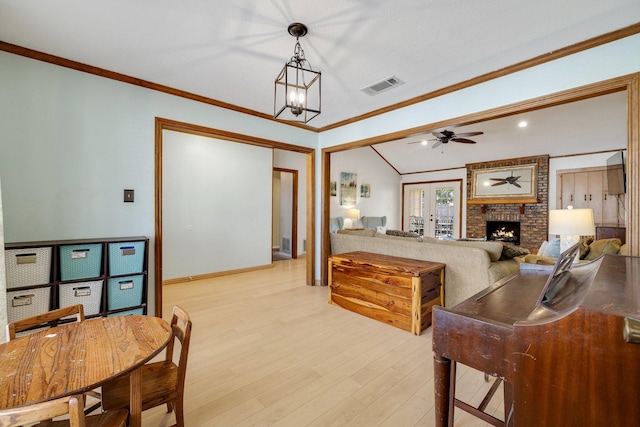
(128, 196)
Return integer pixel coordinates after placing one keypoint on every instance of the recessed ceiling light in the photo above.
(424, 142)
(522, 124)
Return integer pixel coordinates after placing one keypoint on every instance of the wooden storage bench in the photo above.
(393, 290)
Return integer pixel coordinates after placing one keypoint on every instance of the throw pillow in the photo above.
(543, 247)
(552, 249)
(380, 229)
(510, 251)
(602, 247)
(400, 233)
(584, 246)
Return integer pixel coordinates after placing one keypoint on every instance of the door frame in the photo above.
(161, 125)
(294, 210)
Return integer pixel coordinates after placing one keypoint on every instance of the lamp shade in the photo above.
(572, 222)
(354, 214)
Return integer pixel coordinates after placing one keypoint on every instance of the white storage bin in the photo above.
(27, 303)
(89, 294)
(28, 267)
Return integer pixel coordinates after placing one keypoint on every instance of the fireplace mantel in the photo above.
(508, 201)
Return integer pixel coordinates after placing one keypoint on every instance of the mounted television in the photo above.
(616, 178)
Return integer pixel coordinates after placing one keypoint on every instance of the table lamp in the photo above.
(570, 224)
(354, 216)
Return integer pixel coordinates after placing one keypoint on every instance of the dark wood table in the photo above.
(567, 361)
(78, 357)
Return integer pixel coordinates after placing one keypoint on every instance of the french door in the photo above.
(432, 208)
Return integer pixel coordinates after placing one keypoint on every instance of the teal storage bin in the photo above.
(126, 258)
(123, 292)
(134, 312)
(82, 261)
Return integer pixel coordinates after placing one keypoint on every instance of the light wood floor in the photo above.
(266, 350)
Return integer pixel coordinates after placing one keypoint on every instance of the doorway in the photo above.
(285, 214)
(432, 209)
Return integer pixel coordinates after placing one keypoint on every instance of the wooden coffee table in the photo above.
(397, 291)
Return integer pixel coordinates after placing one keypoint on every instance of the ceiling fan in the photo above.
(446, 135)
(513, 180)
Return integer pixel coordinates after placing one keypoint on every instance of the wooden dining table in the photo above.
(78, 357)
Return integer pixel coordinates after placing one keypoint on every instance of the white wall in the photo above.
(590, 66)
(385, 197)
(70, 142)
(216, 205)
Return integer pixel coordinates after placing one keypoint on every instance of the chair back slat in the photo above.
(44, 411)
(49, 318)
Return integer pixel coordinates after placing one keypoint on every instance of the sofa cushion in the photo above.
(602, 247)
(494, 249)
(367, 233)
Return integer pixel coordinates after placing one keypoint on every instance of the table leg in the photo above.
(135, 395)
(443, 396)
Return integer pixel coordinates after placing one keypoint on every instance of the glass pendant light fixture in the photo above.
(297, 87)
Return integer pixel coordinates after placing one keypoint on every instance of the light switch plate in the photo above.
(128, 196)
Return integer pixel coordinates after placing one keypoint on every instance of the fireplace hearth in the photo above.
(504, 231)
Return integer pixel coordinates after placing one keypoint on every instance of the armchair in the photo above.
(373, 222)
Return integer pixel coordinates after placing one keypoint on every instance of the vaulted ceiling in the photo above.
(232, 50)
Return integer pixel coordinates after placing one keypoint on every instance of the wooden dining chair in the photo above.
(51, 318)
(162, 382)
(71, 405)
(46, 319)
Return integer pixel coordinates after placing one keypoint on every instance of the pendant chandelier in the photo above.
(297, 87)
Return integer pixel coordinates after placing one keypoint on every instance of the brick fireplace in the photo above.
(532, 218)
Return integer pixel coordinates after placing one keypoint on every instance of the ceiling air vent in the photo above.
(382, 85)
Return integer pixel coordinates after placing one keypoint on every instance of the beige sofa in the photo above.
(470, 266)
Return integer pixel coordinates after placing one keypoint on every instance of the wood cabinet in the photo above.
(397, 291)
(107, 276)
(584, 189)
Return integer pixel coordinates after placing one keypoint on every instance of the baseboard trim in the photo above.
(216, 274)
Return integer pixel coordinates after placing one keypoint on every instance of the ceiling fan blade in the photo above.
(499, 183)
(439, 135)
(465, 134)
(463, 140)
(517, 185)
(498, 179)
(436, 144)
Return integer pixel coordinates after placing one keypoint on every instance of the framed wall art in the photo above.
(348, 188)
(333, 189)
(517, 182)
(365, 190)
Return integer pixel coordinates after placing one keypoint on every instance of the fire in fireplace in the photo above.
(505, 231)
